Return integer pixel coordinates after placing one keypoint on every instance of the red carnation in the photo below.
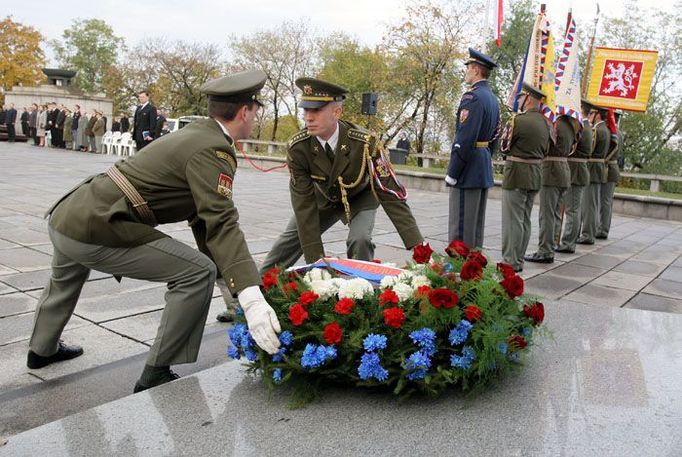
(270, 277)
(423, 291)
(297, 314)
(291, 287)
(437, 267)
(477, 256)
(422, 253)
(506, 269)
(513, 285)
(472, 313)
(394, 317)
(344, 306)
(443, 298)
(457, 248)
(332, 333)
(388, 296)
(308, 297)
(471, 270)
(517, 342)
(535, 312)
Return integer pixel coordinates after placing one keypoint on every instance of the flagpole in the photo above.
(589, 53)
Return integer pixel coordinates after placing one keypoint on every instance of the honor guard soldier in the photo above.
(107, 222)
(590, 213)
(612, 177)
(470, 171)
(529, 143)
(556, 179)
(580, 179)
(338, 171)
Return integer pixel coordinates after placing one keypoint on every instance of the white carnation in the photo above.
(316, 274)
(403, 291)
(420, 280)
(355, 288)
(388, 281)
(405, 277)
(324, 288)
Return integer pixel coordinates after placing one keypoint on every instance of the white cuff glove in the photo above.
(261, 318)
(450, 181)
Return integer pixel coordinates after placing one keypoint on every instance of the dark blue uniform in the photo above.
(478, 119)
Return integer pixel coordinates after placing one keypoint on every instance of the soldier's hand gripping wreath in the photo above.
(261, 318)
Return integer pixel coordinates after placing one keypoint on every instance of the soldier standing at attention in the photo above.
(590, 213)
(612, 177)
(336, 168)
(556, 179)
(580, 178)
(470, 172)
(107, 223)
(522, 175)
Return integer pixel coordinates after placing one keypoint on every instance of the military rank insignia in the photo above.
(463, 116)
(225, 185)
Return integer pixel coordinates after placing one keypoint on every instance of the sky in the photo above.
(213, 21)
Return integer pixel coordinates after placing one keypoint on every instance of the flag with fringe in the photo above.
(567, 84)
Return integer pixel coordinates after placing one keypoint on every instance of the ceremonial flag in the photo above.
(568, 76)
(622, 78)
(495, 17)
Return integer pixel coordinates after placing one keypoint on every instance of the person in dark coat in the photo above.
(33, 124)
(10, 120)
(24, 122)
(160, 120)
(144, 122)
(59, 126)
(116, 125)
(125, 123)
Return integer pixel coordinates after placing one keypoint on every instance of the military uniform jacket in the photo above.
(612, 172)
(478, 120)
(555, 173)
(602, 138)
(314, 187)
(530, 140)
(580, 173)
(184, 176)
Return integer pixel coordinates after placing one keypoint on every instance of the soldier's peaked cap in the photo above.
(317, 93)
(239, 87)
(532, 91)
(480, 58)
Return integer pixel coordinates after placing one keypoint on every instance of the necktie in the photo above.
(330, 153)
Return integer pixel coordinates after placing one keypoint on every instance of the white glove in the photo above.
(450, 181)
(261, 319)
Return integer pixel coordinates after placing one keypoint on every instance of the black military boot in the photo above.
(154, 376)
(538, 258)
(64, 352)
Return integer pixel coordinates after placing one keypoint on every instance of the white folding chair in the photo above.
(106, 142)
(115, 141)
(124, 144)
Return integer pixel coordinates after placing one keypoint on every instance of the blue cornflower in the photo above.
(233, 352)
(236, 332)
(315, 356)
(250, 354)
(279, 356)
(370, 367)
(418, 363)
(374, 342)
(460, 333)
(503, 347)
(425, 338)
(286, 338)
(277, 375)
(447, 266)
(527, 331)
(465, 360)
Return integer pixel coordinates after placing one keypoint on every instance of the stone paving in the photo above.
(640, 266)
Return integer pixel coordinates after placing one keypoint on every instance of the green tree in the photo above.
(21, 58)
(89, 47)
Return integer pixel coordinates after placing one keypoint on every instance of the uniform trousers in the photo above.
(517, 205)
(466, 220)
(590, 211)
(605, 207)
(190, 276)
(572, 214)
(359, 246)
(549, 218)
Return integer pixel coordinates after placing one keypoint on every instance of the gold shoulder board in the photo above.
(300, 136)
(359, 135)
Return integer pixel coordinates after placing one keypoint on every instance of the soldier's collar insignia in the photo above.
(343, 147)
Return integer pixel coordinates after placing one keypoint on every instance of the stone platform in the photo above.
(608, 384)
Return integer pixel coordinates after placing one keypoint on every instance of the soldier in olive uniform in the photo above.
(556, 179)
(612, 177)
(530, 137)
(590, 213)
(470, 171)
(107, 223)
(580, 178)
(337, 173)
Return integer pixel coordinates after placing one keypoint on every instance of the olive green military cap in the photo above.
(317, 93)
(532, 91)
(239, 87)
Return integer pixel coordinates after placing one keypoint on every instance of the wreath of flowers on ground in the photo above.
(446, 320)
